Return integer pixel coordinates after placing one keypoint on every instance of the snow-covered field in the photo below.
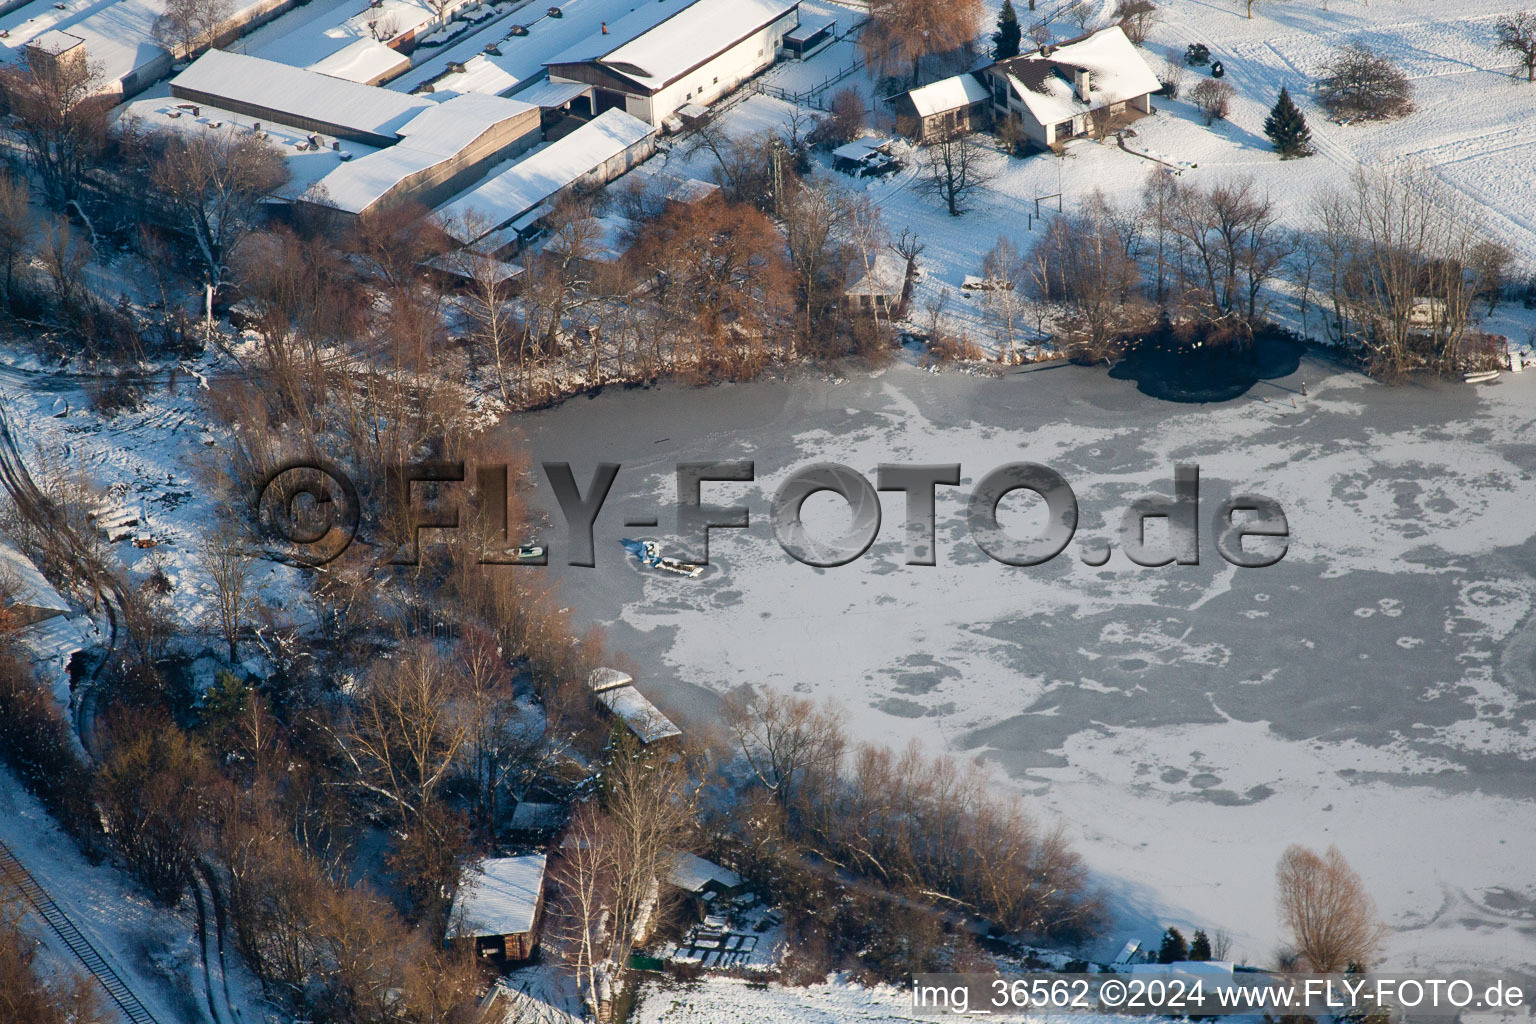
(1376, 689)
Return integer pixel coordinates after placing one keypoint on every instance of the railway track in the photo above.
(90, 958)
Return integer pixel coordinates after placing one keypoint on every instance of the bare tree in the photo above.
(1359, 83)
(1517, 36)
(902, 32)
(786, 740)
(1248, 5)
(1213, 97)
(406, 731)
(1228, 242)
(228, 561)
(1137, 17)
(1330, 918)
(1398, 256)
(848, 115)
(816, 217)
(188, 26)
(1006, 272)
(39, 993)
(64, 253)
(217, 181)
(1084, 262)
(61, 118)
(651, 803)
(16, 227)
(953, 170)
(486, 301)
(583, 877)
(153, 787)
(909, 247)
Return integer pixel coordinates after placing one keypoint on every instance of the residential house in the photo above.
(1071, 89)
(879, 287)
(942, 109)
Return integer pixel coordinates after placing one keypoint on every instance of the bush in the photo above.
(1214, 99)
(1360, 84)
(36, 743)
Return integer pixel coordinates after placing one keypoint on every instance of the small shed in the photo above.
(703, 878)
(950, 106)
(643, 719)
(25, 595)
(498, 907)
(808, 35)
(615, 692)
(865, 157)
(601, 679)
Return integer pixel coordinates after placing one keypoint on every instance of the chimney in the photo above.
(605, 28)
(1081, 83)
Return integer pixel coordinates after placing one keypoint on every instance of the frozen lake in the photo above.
(1376, 689)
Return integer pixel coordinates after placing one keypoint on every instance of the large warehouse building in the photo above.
(427, 150)
(665, 55)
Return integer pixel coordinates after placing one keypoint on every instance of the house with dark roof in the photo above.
(1071, 89)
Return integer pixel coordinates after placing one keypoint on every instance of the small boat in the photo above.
(1480, 377)
(529, 552)
(648, 553)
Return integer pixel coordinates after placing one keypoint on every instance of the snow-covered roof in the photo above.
(480, 74)
(694, 873)
(886, 276)
(436, 135)
(947, 94)
(299, 92)
(810, 29)
(643, 718)
(530, 815)
(545, 172)
(1116, 73)
(24, 585)
(660, 41)
(862, 149)
(691, 190)
(549, 94)
(607, 678)
(500, 897)
(363, 60)
(54, 640)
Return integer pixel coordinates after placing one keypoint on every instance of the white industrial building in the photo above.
(422, 149)
(665, 55)
(523, 194)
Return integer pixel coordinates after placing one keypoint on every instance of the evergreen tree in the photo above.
(1287, 128)
(1174, 948)
(224, 701)
(1200, 946)
(1005, 41)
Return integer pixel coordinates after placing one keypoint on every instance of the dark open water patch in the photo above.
(1182, 370)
